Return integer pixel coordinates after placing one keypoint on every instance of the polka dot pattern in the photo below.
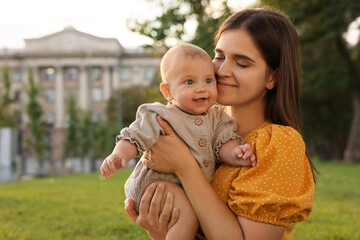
(280, 188)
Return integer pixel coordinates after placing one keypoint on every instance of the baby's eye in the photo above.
(208, 80)
(189, 82)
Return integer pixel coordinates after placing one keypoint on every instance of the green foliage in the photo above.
(7, 119)
(36, 125)
(72, 137)
(205, 32)
(169, 28)
(327, 104)
(104, 138)
(153, 93)
(87, 207)
(132, 98)
(112, 109)
(330, 75)
(86, 129)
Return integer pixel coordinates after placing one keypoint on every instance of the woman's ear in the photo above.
(272, 79)
(164, 88)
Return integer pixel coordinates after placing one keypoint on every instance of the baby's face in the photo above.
(192, 84)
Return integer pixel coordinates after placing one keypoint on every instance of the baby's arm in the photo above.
(123, 152)
(237, 155)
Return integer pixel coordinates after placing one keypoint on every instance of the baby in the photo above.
(189, 84)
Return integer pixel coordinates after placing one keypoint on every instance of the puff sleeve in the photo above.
(225, 128)
(279, 189)
(145, 130)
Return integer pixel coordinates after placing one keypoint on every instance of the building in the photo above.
(73, 63)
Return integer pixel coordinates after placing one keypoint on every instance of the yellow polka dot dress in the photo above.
(279, 190)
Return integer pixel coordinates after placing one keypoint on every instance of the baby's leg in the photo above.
(187, 225)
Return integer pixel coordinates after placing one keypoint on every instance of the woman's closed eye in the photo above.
(241, 64)
(219, 58)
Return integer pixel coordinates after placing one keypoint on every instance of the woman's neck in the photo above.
(247, 119)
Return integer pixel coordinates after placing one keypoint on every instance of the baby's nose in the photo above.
(201, 88)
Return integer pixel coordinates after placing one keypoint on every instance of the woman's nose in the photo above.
(223, 69)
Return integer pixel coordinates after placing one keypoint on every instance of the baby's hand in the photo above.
(112, 163)
(244, 156)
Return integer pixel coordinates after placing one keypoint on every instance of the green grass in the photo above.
(336, 212)
(70, 207)
(87, 207)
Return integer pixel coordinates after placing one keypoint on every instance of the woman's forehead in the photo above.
(238, 42)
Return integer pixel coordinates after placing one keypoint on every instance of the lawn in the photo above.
(87, 207)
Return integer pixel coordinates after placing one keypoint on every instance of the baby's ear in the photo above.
(164, 88)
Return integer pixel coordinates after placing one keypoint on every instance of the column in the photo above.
(106, 84)
(115, 77)
(83, 89)
(59, 97)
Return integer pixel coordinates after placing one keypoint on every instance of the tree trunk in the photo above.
(352, 152)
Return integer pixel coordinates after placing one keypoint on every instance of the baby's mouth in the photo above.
(200, 99)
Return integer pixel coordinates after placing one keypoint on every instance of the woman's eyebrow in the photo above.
(236, 56)
(240, 56)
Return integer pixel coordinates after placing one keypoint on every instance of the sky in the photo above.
(22, 19)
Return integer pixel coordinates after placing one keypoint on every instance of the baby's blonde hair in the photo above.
(182, 50)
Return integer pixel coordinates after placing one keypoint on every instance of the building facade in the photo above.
(73, 63)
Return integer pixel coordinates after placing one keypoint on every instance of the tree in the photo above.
(7, 119)
(132, 98)
(104, 136)
(36, 125)
(325, 22)
(330, 67)
(71, 141)
(86, 136)
(169, 28)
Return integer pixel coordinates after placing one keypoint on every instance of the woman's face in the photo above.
(242, 74)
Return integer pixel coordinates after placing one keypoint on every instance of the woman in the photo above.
(257, 62)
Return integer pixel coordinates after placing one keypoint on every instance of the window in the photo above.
(49, 74)
(71, 74)
(17, 75)
(96, 95)
(126, 74)
(95, 74)
(49, 95)
(49, 118)
(149, 73)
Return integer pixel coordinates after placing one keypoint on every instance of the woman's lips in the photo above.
(222, 84)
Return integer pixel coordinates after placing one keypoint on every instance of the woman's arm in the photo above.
(216, 219)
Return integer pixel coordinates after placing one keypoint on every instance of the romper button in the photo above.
(202, 143)
(206, 163)
(198, 121)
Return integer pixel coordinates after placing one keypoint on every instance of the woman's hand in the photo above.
(169, 154)
(151, 217)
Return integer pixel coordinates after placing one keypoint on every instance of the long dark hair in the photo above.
(278, 42)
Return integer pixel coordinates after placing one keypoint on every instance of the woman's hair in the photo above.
(278, 42)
